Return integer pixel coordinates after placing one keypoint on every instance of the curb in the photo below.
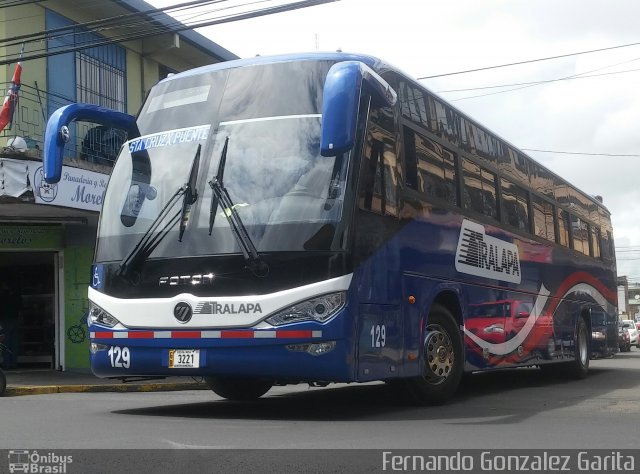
(16, 391)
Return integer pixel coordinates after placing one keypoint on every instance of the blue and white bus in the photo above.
(324, 218)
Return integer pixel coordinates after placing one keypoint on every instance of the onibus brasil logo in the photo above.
(24, 460)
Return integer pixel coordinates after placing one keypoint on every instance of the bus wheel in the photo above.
(238, 389)
(3, 383)
(579, 367)
(442, 360)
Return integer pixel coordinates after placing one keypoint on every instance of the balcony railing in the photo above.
(91, 146)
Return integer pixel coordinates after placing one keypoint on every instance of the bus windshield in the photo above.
(285, 193)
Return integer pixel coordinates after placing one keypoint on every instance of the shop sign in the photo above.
(77, 188)
(31, 237)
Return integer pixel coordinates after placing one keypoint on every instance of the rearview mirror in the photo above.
(341, 96)
(57, 132)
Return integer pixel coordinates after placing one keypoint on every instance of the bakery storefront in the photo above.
(47, 238)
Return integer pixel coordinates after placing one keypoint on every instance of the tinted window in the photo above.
(607, 246)
(479, 189)
(515, 165)
(542, 180)
(430, 167)
(580, 233)
(481, 143)
(563, 227)
(543, 219)
(595, 242)
(514, 205)
(378, 170)
(413, 105)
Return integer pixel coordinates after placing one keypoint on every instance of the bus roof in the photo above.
(370, 61)
(380, 67)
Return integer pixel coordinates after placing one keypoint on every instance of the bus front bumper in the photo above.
(304, 354)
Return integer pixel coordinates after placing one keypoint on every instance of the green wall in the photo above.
(77, 259)
(77, 269)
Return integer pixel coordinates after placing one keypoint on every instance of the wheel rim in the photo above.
(582, 346)
(439, 357)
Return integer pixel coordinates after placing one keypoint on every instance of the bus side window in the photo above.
(543, 219)
(580, 235)
(607, 246)
(595, 242)
(370, 163)
(430, 168)
(479, 193)
(514, 205)
(378, 176)
(563, 227)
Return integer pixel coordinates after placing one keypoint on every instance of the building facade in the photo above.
(633, 304)
(47, 232)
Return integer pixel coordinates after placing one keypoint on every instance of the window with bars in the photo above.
(101, 80)
(100, 83)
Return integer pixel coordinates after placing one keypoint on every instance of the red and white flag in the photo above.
(11, 99)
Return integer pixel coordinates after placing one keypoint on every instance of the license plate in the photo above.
(184, 358)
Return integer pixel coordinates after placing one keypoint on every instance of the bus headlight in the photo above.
(97, 315)
(320, 309)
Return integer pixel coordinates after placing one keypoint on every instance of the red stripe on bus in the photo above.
(141, 335)
(186, 334)
(236, 334)
(293, 334)
(104, 335)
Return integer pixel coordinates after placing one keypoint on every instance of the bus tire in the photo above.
(3, 383)
(238, 389)
(578, 368)
(442, 360)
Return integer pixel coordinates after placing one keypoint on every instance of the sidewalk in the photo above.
(43, 381)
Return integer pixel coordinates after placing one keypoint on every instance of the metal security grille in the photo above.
(99, 83)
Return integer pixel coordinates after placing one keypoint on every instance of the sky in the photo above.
(427, 37)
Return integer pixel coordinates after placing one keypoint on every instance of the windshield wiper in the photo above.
(213, 208)
(190, 194)
(152, 237)
(219, 195)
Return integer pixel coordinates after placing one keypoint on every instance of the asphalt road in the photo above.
(521, 408)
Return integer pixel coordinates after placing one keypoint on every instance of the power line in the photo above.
(113, 20)
(159, 29)
(86, 5)
(179, 27)
(532, 84)
(535, 83)
(529, 61)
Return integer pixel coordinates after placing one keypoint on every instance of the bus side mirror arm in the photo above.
(341, 97)
(57, 132)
